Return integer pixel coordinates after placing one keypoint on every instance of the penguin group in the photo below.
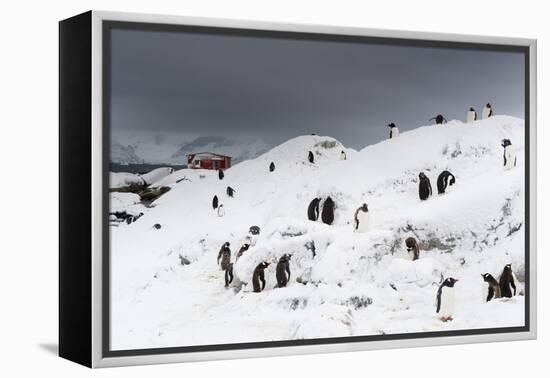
(323, 209)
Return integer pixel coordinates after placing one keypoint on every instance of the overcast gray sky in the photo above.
(275, 89)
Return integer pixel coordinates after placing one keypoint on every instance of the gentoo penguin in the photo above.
(224, 256)
(412, 248)
(259, 277)
(394, 130)
(507, 283)
(310, 157)
(510, 158)
(487, 111)
(361, 219)
(444, 180)
(215, 202)
(472, 115)
(313, 209)
(221, 210)
(494, 287)
(327, 215)
(424, 187)
(220, 174)
(283, 270)
(271, 167)
(446, 299)
(243, 249)
(343, 155)
(230, 191)
(439, 119)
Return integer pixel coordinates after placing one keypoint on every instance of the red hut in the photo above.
(208, 160)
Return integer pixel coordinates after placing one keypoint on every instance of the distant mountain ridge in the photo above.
(161, 150)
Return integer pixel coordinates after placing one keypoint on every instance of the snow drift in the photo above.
(343, 283)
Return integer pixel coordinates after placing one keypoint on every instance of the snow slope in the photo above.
(167, 290)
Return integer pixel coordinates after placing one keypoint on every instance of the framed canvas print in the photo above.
(235, 189)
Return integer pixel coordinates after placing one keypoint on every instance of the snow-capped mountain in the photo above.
(124, 154)
(160, 149)
(342, 282)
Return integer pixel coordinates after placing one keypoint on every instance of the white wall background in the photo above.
(28, 151)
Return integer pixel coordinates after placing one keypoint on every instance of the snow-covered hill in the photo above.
(342, 283)
(159, 149)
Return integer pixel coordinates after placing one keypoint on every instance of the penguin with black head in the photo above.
(472, 115)
(258, 277)
(243, 249)
(444, 180)
(221, 211)
(313, 209)
(487, 111)
(394, 130)
(361, 219)
(439, 119)
(424, 187)
(215, 202)
(282, 271)
(493, 288)
(230, 191)
(310, 157)
(271, 167)
(224, 256)
(327, 214)
(510, 158)
(413, 248)
(343, 155)
(220, 174)
(446, 299)
(507, 283)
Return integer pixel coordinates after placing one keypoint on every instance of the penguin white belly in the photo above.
(395, 132)
(363, 218)
(485, 113)
(221, 211)
(447, 301)
(510, 158)
(471, 117)
(342, 156)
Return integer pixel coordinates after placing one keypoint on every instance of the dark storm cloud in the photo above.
(276, 89)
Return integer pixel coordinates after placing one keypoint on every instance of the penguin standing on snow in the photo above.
(243, 249)
(472, 115)
(229, 275)
(507, 283)
(221, 210)
(412, 248)
(446, 299)
(220, 174)
(313, 209)
(230, 191)
(394, 130)
(215, 202)
(424, 187)
(494, 287)
(510, 158)
(271, 167)
(444, 180)
(361, 219)
(310, 157)
(327, 215)
(224, 256)
(343, 155)
(487, 111)
(439, 119)
(282, 271)
(258, 277)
